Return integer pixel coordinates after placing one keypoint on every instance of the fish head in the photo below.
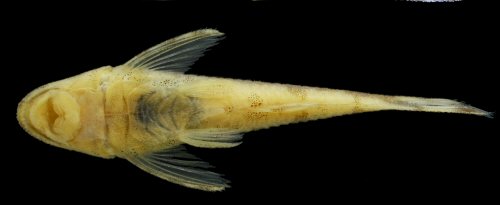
(50, 114)
(68, 114)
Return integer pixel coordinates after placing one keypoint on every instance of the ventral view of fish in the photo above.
(147, 109)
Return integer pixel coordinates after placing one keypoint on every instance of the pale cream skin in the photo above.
(144, 110)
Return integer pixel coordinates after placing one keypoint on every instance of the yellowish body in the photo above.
(146, 109)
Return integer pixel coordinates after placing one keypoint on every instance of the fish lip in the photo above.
(23, 119)
(21, 114)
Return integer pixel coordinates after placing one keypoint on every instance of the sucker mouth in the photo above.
(23, 112)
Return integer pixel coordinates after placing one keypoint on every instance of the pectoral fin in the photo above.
(178, 166)
(177, 54)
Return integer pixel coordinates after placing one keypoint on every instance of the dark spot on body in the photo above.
(301, 116)
(255, 100)
(145, 112)
(256, 115)
(357, 104)
(228, 109)
(297, 91)
(278, 110)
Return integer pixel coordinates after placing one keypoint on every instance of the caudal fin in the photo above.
(436, 105)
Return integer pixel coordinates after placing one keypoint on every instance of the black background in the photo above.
(388, 47)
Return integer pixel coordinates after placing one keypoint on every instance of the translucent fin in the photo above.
(437, 105)
(212, 138)
(178, 166)
(177, 54)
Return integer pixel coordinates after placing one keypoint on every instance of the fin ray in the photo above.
(178, 166)
(436, 105)
(177, 54)
(212, 138)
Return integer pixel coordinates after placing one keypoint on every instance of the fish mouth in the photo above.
(24, 121)
(24, 109)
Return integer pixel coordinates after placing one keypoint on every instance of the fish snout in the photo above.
(52, 115)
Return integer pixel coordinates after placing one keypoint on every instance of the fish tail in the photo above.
(435, 105)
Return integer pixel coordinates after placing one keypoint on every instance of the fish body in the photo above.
(146, 109)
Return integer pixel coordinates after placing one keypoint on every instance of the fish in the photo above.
(147, 110)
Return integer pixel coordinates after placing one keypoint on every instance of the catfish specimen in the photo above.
(146, 109)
